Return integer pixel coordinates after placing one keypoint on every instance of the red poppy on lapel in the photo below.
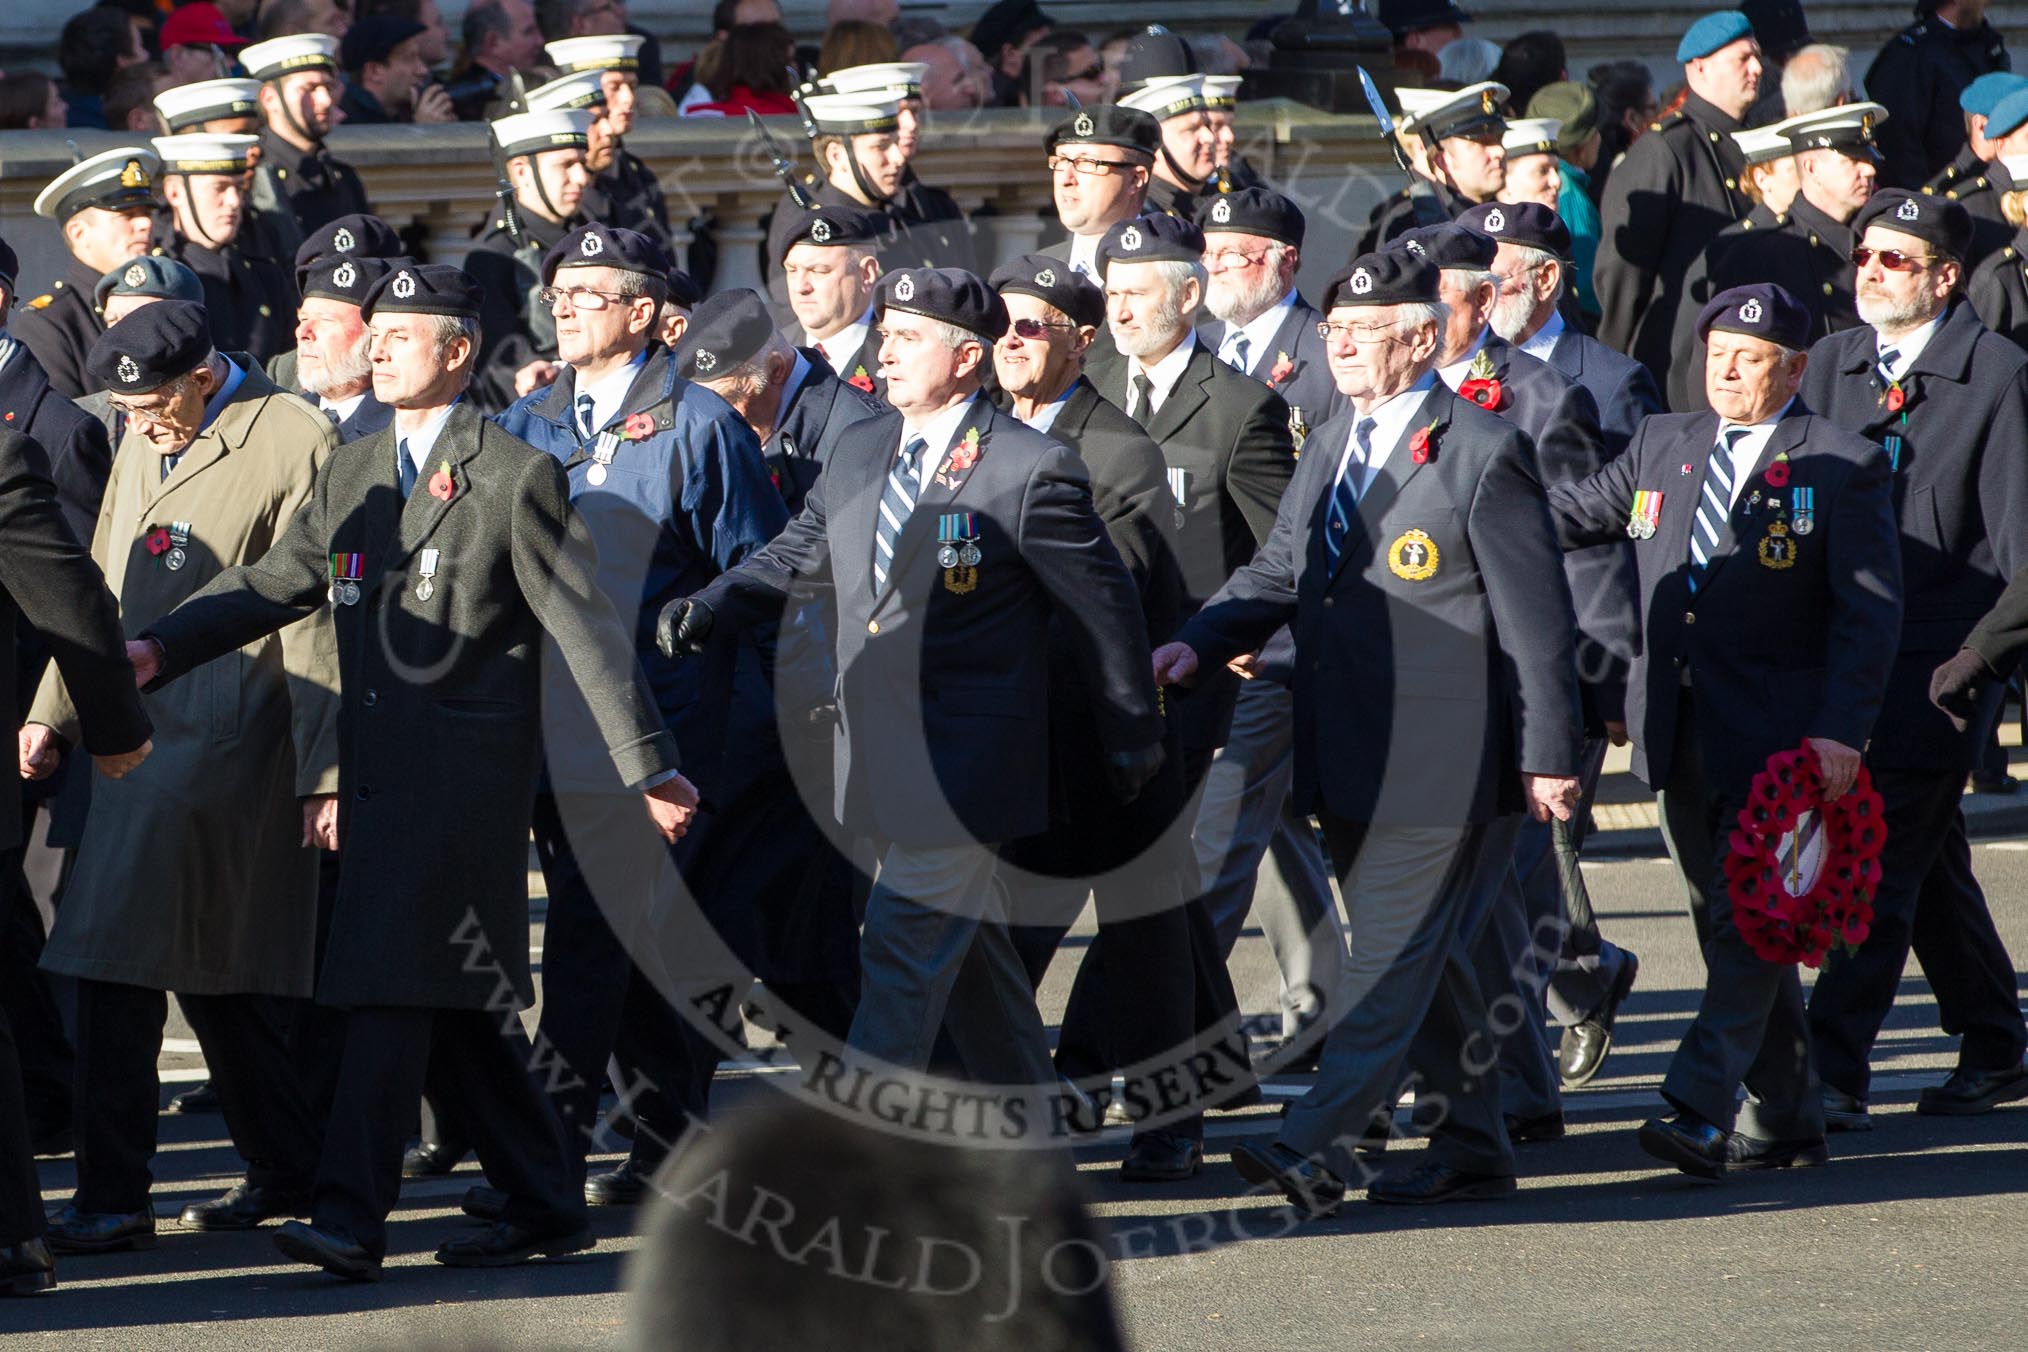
(1281, 370)
(1895, 398)
(158, 541)
(1422, 447)
(1777, 475)
(861, 381)
(638, 427)
(440, 484)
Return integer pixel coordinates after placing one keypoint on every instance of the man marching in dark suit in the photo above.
(943, 628)
(48, 581)
(450, 550)
(1766, 623)
(1948, 403)
(829, 264)
(1592, 975)
(1436, 700)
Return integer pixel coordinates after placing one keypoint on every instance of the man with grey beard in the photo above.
(1947, 402)
(332, 365)
(1253, 248)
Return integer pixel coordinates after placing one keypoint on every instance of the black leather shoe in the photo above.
(1968, 1092)
(1688, 1142)
(1843, 1112)
(505, 1244)
(26, 1268)
(484, 1204)
(1435, 1181)
(1583, 1047)
(1310, 1187)
(1751, 1152)
(1161, 1157)
(74, 1231)
(54, 1143)
(244, 1206)
(1548, 1127)
(333, 1250)
(624, 1186)
(203, 1099)
(433, 1159)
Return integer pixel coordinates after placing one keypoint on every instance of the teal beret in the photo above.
(1720, 28)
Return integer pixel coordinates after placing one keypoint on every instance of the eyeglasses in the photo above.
(1894, 260)
(1358, 333)
(1233, 258)
(1084, 164)
(1035, 328)
(580, 297)
(1096, 71)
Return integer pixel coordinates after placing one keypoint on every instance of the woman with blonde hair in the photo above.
(1998, 289)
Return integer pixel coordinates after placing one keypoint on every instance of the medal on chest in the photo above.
(347, 571)
(958, 551)
(603, 449)
(1179, 489)
(1646, 514)
(1803, 509)
(1299, 429)
(426, 575)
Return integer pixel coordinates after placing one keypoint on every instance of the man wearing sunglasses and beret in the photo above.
(1947, 402)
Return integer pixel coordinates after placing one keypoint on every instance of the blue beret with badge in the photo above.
(1388, 277)
(952, 295)
(150, 347)
(425, 289)
(1151, 239)
(156, 275)
(1452, 244)
(1720, 28)
(1945, 225)
(605, 246)
(1253, 211)
(1528, 224)
(1108, 124)
(724, 332)
(337, 277)
(1050, 281)
(1762, 310)
(358, 236)
(834, 227)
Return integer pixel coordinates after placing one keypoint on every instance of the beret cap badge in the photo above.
(820, 231)
(904, 288)
(1221, 211)
(343, 241)
(1046, 277)
(1130, 239)
(1084, 126)
(135, 275)
(1750, 312)
(130, 370)
(403, 286)
(346, 276)
(1362, 282)
(591, 245)
(1908, 211)
(706, 359)
(1496, 221)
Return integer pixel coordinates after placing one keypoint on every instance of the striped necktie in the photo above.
(896, 502)
(1345, 496)
(1714, 506)
(1236, 352)
(584, 417)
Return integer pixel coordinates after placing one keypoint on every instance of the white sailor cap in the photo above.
(904, 76)
(1847, 128)
(609, 51)
(1438, 113)
(532, 133)
(1221, 92)
(1765, 145)
(855, 114)
(1531, 136)
(1167, 96)
(205, 152)
(582, 89)
(187, 106)
(113, 179)
(276, 57)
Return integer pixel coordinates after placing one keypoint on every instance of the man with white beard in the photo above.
(332, 364)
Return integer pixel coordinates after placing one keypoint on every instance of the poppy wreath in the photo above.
(1837, 910)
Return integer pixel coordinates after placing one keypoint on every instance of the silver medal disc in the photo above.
(1803, 525)
(175, 559)
(425, 589)
(349, 592)
(596, 475)
(969, 555)
(947, 556)
(335, 595)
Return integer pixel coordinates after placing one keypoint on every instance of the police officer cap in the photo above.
(1982, 95)
(2008, 113)
(341, 278)
(1402, 17)
(1389, 277)
(425, 289)
(1108, 124)
(1155, 53)
(1528, 224)
(606, 246)
(150, 347)
(725, 331)
(1151, 239)
(951, 294)
(1051, 282)
(1253, 211)
(1453, 244)
(833, 226)
(358, 235)
(10, 266)
(1945, 225)
(1762, 310)
(374, 38)
(155, 275)
(1720, 28)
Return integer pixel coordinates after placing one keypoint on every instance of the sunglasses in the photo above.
(1894, 260)
(1036, 328)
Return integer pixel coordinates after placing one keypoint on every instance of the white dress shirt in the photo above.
(1084, 254)
(424, 439)
(608, 393)
(341, 409)
(937, 432)
(1906, 348)
(1746, 451)
(1260, 334)
(1543, 341)
(1163, 375)
(1391, 417)
(1459, 371)
(1045, 417)
(843, 346)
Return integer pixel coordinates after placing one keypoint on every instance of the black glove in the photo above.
(1128, 772)
(1956, 686)
(684, 627)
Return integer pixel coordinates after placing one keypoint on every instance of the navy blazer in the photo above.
(1777, 653)
(80, 454)
(944, 675)
(818, 410)
(1435, 663)
(1306, 384)
(1960, 461)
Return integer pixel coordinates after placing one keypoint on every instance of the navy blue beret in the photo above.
(1108, 125)
(424, 289)
(605, 246)
(336, 277)
(1053, 282)
(359, 236)
(1945, 224)
(1762, 310)
(1450, 245)
(1151, 239)
(1253, 211)
(724, 331)
(951, 294)
(156, 275)
(150, 347)
(1389, 277)
(1529, 224)
(831, 226)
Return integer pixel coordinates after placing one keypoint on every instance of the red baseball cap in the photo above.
(199, 24)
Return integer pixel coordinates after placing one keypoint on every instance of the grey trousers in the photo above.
(1417, 898)
(1750, 1026)
(1244, 816)
(934, 953)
